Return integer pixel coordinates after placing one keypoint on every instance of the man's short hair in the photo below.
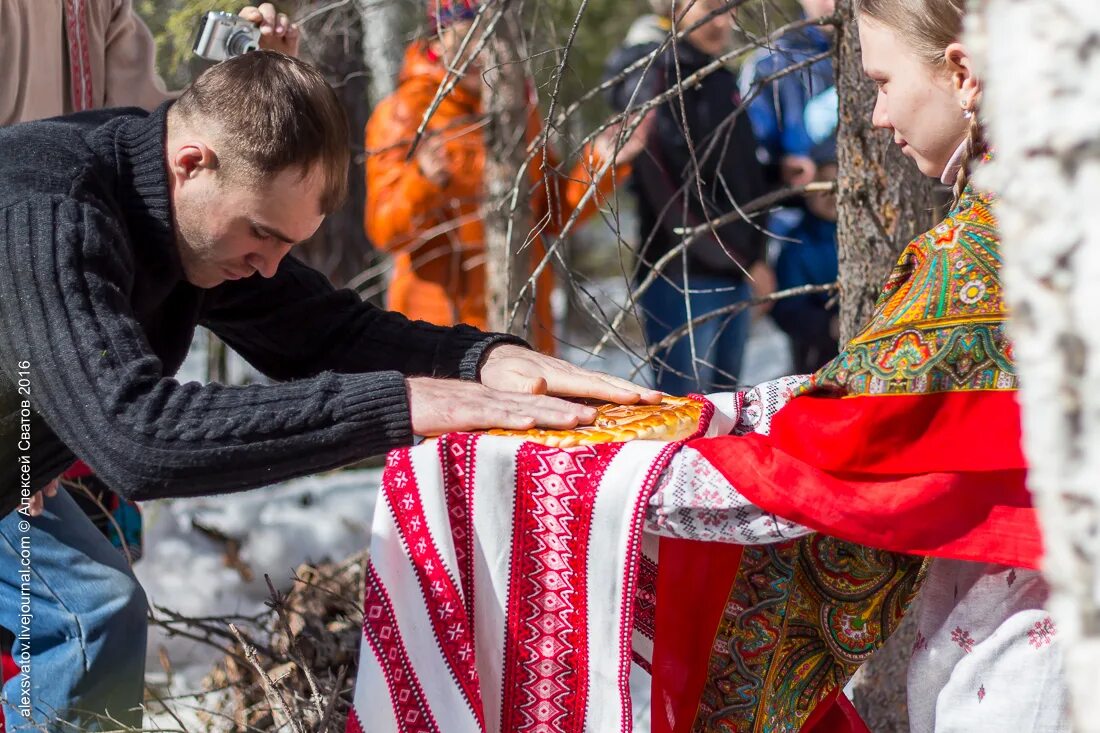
(272, 112)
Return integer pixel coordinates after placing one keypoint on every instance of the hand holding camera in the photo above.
(223, 35)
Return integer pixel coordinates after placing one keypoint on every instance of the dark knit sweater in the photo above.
(93, 299)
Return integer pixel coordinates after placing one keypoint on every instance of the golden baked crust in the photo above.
(675, 418)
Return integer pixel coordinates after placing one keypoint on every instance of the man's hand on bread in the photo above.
(520, 389)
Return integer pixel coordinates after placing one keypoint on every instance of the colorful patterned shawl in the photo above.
(906, 445)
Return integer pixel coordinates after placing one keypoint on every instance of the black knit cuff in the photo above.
(463, 352)
(470, 366)
(475, 358)
(378, 403)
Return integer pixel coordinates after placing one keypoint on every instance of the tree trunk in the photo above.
(382, 22)
(507, 207)
(883, 202)
(1041, 103)
(340, 249)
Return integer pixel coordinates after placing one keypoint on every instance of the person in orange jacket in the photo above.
(426, 209)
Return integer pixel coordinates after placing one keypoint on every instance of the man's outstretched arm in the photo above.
(297, 324)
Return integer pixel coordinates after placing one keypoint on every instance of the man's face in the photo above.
(715, 36)
(229, 229)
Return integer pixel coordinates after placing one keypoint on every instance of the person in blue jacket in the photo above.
(777, 111)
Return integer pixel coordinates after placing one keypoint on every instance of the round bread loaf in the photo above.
(675, 418)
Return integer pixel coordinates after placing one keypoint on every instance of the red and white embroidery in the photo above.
(1042, 633)
(456, 455)
(645, 598)
(962, 637)
(556, 563)
(381, 632)
(443, 600)
(80, 65)
(545, 675)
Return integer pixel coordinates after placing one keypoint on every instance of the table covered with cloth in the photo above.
(507, 588)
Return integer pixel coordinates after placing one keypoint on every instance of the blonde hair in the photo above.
(929, 27)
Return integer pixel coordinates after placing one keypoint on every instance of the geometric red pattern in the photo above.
(1042, 633)
(546, 664)
(456, 456)
(80, 66)
(963, 639)
(380, 631)
(443, 601)
(645, 598)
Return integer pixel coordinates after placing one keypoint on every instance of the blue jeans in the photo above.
(719, 341)
(88, 626)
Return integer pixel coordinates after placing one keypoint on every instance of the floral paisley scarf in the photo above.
(906, 446)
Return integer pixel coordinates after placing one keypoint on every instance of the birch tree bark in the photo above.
(1040, 63)
(382, 22)
(883, 202)
(507, 207)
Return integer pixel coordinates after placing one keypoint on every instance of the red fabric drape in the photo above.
(8, 669)
(926, 474)
(941, 475)
(685, 630)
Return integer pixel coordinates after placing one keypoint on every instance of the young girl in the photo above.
(902, 455)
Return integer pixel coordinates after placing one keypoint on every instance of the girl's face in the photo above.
(920, 104)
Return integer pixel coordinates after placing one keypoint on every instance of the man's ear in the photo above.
(960, 65)
(192, 157)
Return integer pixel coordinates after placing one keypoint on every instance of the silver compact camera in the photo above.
(224, 35)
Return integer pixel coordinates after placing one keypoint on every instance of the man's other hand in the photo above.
(439, 406)
(797, 170)
(513, 368)
(38, 501)
(277, 33)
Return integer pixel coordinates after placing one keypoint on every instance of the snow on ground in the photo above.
(306, 520)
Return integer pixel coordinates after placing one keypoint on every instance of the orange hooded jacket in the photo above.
(436, 234)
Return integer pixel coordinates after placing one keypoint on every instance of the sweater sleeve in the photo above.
(297, 325)
(65, 277)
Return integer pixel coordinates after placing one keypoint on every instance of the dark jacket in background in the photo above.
(96, 317)
(809, 258)
(663, 177)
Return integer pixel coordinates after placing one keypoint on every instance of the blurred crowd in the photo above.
(693, 163)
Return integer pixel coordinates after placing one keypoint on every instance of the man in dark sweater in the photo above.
(120, 232)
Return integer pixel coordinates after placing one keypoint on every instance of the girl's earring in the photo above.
(967, 113)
